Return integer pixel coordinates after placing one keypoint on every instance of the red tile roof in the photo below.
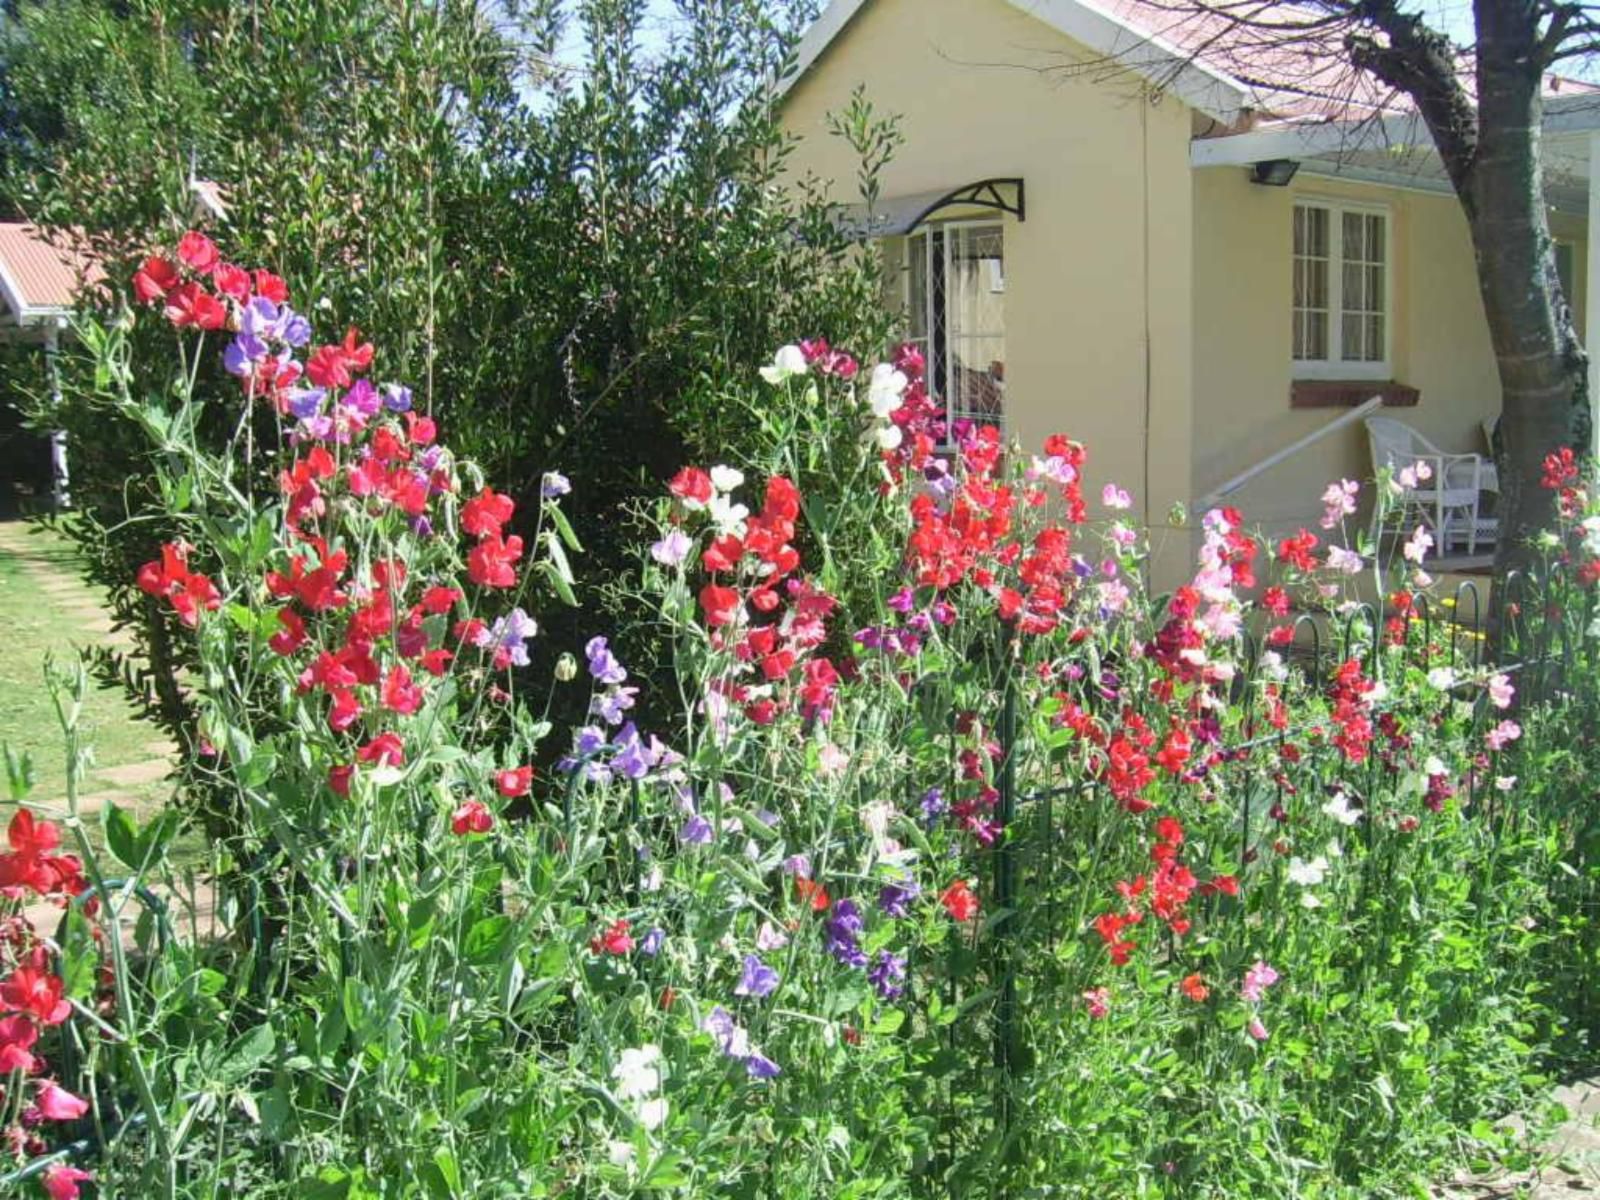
(38, 274)
(1291, 56)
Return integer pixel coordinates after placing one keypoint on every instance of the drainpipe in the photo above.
(58, 440)
(1591, 321)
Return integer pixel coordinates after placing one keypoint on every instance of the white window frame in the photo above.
(1336, 366)
(994, 281)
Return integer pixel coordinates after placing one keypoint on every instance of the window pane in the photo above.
(1354, 240)
(917, 286)
(1311, 291)
(975, 324)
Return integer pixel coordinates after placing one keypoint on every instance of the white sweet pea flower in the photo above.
(1272, 667)
(889, 437)
(1442, 679)
(788, 362)
(727, 516)
(653, 1112)
(1308, 874)
(725, 478)
(886, 390)
(619, 1153)
(1339, 809)
(1434, 765)
(1591, 534)
(636, 1072)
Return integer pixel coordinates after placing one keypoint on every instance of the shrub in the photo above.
(1034, 881)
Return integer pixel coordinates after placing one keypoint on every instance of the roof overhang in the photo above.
(17, 313)
(1397, 151)
(901, 214)
(1151, 58)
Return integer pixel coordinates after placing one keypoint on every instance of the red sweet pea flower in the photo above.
(62, 1181)
(489, 562)
(721, 604)
(232, 281)
(615, 940)
(1296, 551)
(514, 782)
(293, 634)
(271, 287)
(471, 816)
(17, 1036)
(190, 305)
(485, 514)
(960, 901)
(440, 600)
(155, 279)
(422, 431)
(55, 1103)
(692, 486)
(436, 662)
(197, 252)
(809, 891)
(339, 780)
(32, 838)
(170, 577)
(1194, 987)
(384, 750)
(33, 990)
(337, 366)
(400, 695)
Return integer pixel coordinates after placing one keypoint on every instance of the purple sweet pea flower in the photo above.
(760, 1066)
(896, 897)
(611, 704)
(650, 944)
(396, 397)
(306, 402)
(511, 633)
(672, 549)
(633, 758)
(362, 398)
(933, 806)
(840, 932)
(732, 1040)
(591, 738)
(296, 329)
(797, 864)
(422, 527)
(603, 665)
(888, 974)
(554, 485)
(696, 831)
(903, 601)
(757, 980)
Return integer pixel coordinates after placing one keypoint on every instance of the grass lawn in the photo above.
(41, 622)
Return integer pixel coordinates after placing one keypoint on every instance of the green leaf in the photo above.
(19, 774)
(80, 958)
(485, 940)
(248, 1053)
(122, 835)
(667, 1171)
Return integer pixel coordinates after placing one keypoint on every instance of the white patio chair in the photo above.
(1450, 500)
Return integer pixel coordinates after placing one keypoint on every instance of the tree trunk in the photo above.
(1542, 367)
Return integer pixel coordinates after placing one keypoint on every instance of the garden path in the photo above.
(50, 609)
(1569, 1162)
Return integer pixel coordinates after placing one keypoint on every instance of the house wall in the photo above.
(1098, 308)
(1242, 297)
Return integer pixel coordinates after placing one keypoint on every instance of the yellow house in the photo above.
(1094, 230)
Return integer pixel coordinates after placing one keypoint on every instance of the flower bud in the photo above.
(566, 668)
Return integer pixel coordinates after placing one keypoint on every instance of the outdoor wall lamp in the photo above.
(1273, 172)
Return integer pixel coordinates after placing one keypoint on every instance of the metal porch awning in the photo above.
(901, 214)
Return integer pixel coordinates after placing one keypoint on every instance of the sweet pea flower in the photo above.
(1502, 735)
(788, 362)
(885, 391)
(603, 665)
(554, 485)
(1338, 502)
(887, 975)
(1343, 560)
(1500, 690)
(1098, 1002)
(726, 479)
(636, 1074)
(672, 549)
(61, 1182)
(1417, 545)
(1114, 497)
(1257, 979)
(1256, 1029)
(756, 979)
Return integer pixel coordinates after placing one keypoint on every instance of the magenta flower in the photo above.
(1256, 981)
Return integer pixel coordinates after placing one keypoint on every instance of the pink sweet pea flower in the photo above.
(62, 1181)
(57, 1104)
